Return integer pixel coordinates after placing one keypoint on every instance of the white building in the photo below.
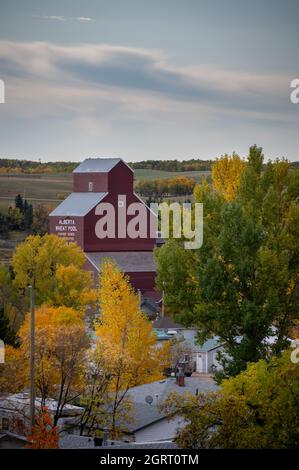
(204, 356)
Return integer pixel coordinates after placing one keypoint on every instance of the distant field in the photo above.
(52, 188)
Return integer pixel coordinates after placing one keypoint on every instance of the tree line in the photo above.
(177, 186)
(173, 165)
(28, 166)
(9, 165)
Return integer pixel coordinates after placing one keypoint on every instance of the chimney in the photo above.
(180, 378)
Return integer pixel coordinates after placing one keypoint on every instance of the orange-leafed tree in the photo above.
(126, 339)
(61, 344)
(44, 434)
(226, 174)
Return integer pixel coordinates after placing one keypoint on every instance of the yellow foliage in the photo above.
(60, 344)
(35, 260)
(12, 375)
(125, 335)
(73, 288)
(226, 173)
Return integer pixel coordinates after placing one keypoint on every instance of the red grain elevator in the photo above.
(97, 182)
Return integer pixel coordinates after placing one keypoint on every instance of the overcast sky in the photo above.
(148, 79)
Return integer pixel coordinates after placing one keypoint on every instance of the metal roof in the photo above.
(207, 346)
(78, 204)
(127, 261)
(98, 165)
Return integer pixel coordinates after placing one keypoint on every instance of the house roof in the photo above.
(73, 441)
(144, 445)
(127, 261)
(9, 435)
(98, 165)
(161, 335)
(20, 401)
(167, 323)
(78, 204)
(207, 346)
(146, 414)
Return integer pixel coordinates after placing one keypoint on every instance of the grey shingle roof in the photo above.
(97, 165)
(144, 445)
(128, 261)
(72, 441)
(146, 414)
(78, 204)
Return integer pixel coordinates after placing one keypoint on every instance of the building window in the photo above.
(120, 203)
(5, 424)
(90, 186)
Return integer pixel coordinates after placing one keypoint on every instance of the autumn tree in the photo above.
(245, 275)
(95, 399)
(177, 267)
(44, 434)
(126, 339)
(11, 302)
(46, 263)
(14, 372)
(60, 348)
(258, 409)
(226, 174)
(73, 288)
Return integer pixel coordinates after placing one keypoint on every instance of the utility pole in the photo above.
(32, 365)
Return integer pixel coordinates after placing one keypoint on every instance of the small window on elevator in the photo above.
(90, 186)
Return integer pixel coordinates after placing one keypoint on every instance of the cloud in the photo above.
(50, 17)
(82, 19)
(136, 79)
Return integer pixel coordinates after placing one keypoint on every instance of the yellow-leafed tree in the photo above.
(73, 288)
(126, 338)
(226, 174)
(55, 269)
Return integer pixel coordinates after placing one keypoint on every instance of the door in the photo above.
(199, 363)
